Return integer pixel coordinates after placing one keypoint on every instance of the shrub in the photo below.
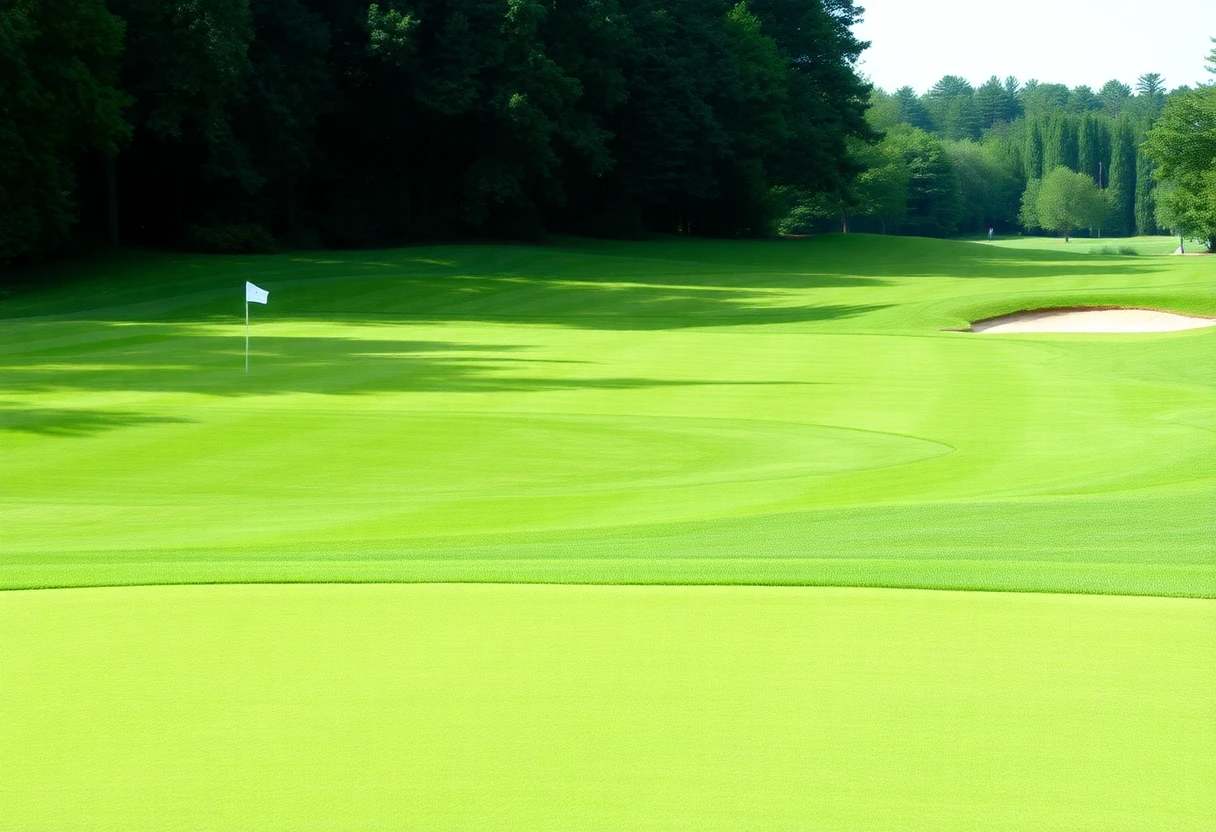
(231, 238)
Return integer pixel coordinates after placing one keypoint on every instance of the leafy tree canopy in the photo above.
(1067, 200)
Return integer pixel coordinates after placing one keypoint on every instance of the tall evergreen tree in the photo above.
(993, 103)
(1123, 179)
(1150, 89)
(1146, 201)
(952, 108)
(911, 110)
(1089, 146)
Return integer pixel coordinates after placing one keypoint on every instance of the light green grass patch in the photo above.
(1132, 246)
(565, 708)
(679, 412)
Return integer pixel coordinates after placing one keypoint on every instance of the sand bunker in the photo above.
(1092, 320)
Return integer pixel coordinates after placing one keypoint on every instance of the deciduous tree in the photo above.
(1068, 200)
(1183, 146)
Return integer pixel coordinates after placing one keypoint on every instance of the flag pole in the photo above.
(246, 335)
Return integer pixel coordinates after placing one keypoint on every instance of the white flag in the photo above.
(255, 295)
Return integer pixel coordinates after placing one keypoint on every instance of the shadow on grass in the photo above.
(73, 421)
(594, 285)
(184, 358)
(621, 302)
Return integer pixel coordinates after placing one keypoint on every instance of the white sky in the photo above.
(1070, 42)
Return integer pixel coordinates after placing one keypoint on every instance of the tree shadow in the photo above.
(588, 283)
(192, 358)
(73, 421)
(558, 295)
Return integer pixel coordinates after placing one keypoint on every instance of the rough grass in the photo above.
(777, 413)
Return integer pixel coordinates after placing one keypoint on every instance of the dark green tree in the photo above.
(1082, 100)
(58, 68)
(826, 102)
(1092, 141)
(952, 108)
(1122, 180)
(1146, 198)
(187, 67)
(994, 102)
(935, 205)
(911, 110)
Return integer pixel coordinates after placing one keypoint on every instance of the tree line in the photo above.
(962, 159)
(230, 124)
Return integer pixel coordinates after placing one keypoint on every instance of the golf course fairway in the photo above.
(309, 597)
(784, 412)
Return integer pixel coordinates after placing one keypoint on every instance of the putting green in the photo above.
(687, 412)
(511, 707)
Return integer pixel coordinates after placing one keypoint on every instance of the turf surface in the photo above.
(710, 413)
(566, 708)
(1111, 246)
(770, 412)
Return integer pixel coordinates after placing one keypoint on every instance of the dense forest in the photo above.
(239, 125)
(223, 123)
(962, 159)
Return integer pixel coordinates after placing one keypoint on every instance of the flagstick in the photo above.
(246, 336)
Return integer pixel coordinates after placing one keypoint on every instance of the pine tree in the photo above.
(911, 110)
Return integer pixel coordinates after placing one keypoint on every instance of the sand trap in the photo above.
(1092, 320)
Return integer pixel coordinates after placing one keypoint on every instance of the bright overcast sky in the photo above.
(1069, 42)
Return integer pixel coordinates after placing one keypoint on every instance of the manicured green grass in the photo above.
(666, 412)
(568, 708)
(671, 412)
(1085, 245)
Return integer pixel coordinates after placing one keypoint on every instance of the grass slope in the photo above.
(568, 708)
(1157, 246)
(684, 412)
